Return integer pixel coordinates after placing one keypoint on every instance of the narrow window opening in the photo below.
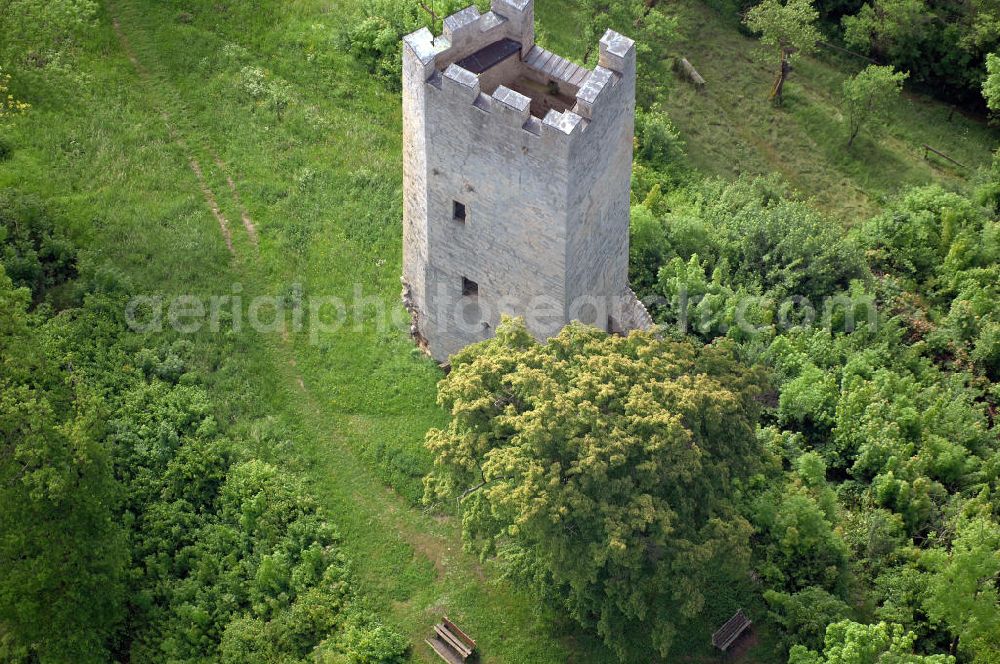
(458, 211)
(469, 288)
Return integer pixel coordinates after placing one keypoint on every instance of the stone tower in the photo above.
(516, 174)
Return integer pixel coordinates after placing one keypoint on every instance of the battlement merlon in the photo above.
(521, 16)
(507, 105)
(617, 53)
(467, 30)
(616, 64)
(431, 61)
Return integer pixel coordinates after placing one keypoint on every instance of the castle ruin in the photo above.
(517, 166)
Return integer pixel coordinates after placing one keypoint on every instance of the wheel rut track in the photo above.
(208, 194)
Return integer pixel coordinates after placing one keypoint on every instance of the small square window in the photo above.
(458, 211)
(469, 288)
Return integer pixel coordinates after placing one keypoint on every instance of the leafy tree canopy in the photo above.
(36, 253)
(991, 86)
(803, 616)
(61, 551)
(788, 27)
(868, 97)
(853, 643)
(962, 592)
(602, 470)
(942, 44)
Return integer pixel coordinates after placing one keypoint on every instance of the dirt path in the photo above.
(388, 506)
(206, 191)
(213, 205)
(244, 215)
(386, 511)
(211, 201)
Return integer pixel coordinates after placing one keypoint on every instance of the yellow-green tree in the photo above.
(962, 592)
(789, 28)
(849, 642)
(601, 470)
(868, 98)
(991, 86)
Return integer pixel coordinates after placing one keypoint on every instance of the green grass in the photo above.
(323, 187)
(732, 128)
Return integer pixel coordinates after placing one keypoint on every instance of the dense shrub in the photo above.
(884, 428)
(35, 251)
(726, 257)
(798, 544)
(232, 558)
(848, 642)
(61, 548)
(174, 544)
(367, 641)
(804, 615)
(929, 234)
(376, 40)
(943, 45)
(657, 142)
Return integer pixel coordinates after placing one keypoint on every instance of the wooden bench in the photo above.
(728, 633)
(450, 643)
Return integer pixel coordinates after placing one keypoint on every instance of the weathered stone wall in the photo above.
(546, 200)
(513, 184)
(601, 172)
(632, 313)
(497, 75)
(415, 73)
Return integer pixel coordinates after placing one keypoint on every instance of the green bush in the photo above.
(367, 641)
(35, 251)
(803, 616)
(376, 40)
(928, 233)
(658, 142)
(175, 545)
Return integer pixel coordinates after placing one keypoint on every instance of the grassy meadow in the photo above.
(731, 128)
(162, 123)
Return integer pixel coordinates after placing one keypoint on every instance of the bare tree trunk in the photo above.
(433, 15)
(779, 83)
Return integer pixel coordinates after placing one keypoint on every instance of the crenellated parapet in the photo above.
(503, 104)
(467, 30)
(583, 93)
